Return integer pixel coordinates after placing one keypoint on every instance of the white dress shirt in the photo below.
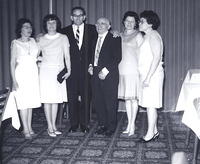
(104, 70)
(81, 29)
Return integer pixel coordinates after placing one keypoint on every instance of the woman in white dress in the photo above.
(128, 68)
(24, 73)
(151, 71)
(55, 50)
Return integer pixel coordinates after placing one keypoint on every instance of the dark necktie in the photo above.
(77, 36)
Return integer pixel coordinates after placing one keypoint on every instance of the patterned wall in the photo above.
(179, 29)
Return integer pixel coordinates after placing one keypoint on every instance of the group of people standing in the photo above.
(101, 66)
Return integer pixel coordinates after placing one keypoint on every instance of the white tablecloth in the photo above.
(11, 111)
(189, 91)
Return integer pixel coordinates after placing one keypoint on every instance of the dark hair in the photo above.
(50, 17)
(152, 18)
(78, 8)
(132, 14)
(19, 26)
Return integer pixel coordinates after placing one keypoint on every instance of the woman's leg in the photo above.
(24, 118)
(48, 114)
(54, 115)
(30, 120)
(152, 123)
(134, 110)
(128, 111)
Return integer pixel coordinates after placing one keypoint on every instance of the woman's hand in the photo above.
(39, 58)
(66, 75)
(146, 82)
(116, 33)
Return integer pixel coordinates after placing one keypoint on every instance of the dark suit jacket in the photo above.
(80, 58)
(110, 54)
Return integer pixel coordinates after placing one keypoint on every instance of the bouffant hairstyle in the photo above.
(19, 26)
(152, 18)
(132, 14)
(78, 8)
(50, 17)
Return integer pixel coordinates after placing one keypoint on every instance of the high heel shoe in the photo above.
(155, 136)
(132, 132)
(57, 132)
(32, 133)
(51, 134)
(27, 136)
(126, 131)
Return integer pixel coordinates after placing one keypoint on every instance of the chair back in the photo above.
(4, 94)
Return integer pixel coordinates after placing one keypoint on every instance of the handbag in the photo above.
(60, 75)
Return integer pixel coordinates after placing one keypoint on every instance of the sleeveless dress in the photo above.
(26, 73)
(128, 69)
(52, 48)
(152, 95)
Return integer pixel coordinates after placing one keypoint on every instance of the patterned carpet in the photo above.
(79, 148)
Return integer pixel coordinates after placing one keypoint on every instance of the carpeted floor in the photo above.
(89, 148)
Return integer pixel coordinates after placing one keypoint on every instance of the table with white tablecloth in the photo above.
(11, 111)
(190, 90)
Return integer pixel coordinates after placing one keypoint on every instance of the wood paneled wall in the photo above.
(180, 30)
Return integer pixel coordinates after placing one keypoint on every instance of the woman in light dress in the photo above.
(24, 73)
(55, 50)
(128, 68)
(151, 71)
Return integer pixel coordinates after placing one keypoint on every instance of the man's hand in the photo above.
(102, 76)
(90, 70)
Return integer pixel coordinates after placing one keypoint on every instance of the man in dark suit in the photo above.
(105, 77)
(80, 36)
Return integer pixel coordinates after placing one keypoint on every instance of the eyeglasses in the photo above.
(26, 27)
(78, 16)
(101, 24)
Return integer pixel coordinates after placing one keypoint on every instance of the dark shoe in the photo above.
(72, 129)
(101, 130)
(155, 136)
(84, 129)
(109, 133)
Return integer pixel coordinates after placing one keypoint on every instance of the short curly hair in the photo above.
(152, 18)
(132, 14)
(19, 25)
(50, 17)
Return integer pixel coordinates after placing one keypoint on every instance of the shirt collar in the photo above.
(103, 35)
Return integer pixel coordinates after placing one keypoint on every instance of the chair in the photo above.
(4, 94)
(196, 103)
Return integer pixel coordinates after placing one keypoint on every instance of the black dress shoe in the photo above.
(155, 136)
(101, 130)
(109, 133)
(72, 129)
(84, 129)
